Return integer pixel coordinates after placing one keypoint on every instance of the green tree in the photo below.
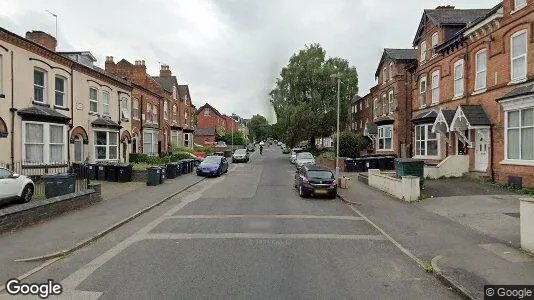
(304, 97)
(239, 138)
(351, 144)
(258, 128)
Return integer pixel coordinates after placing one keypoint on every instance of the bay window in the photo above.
(150, 142)
(480, 70)
(93, 100)
(520, 134)
(518, 55)
(60, 91)
(426, 142)
(187, 140)
(422, 92)
(385, 137)
(435, 87)
(105, 103)
(106, 145)
(39, 85)
(458, 79)
(44, 143)
(175, 138)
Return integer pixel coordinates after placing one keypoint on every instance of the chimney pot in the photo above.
(143, 62)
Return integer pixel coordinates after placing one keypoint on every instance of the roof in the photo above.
(475, 114)
(427, 116)
(105, 122)
(86, 53)
(42, 111)
(183, 90)
(167, 82)
(204, 131)
(316, 168)
(207, 105)
(449, 17)
(449, 115)
(372, 128)
(519, 91)
(355, 99)
(117, 78)
(396, 55)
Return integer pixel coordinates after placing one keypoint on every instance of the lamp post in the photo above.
(338, 76)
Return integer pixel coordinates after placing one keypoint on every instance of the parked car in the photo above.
(279, 143)
(218, 153)
(251, 148)
(294, 152)
(315, 180)
(15, 187)
(240, 155)
(304, 158)
(213, 166)
(286, 150)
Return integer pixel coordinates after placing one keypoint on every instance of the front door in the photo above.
(481, 150)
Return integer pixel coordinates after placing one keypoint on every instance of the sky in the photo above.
(229, 52)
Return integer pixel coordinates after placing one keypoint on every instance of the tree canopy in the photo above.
(305, 95)
(258, 127)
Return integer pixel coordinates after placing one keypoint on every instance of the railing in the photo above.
(36, 171)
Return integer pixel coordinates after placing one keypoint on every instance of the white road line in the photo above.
(351, 218)
(189, 236)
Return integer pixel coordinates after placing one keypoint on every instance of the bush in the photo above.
(179, 156)
(351, 144)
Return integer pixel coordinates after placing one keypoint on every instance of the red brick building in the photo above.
(231, 125)
(209, 122)
(473, 89)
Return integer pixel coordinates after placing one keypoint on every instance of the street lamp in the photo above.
(338, 76)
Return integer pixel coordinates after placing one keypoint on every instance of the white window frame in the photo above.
(187, 140)
(422, 92)
(78, 140)
(390, 71)
(434, 43)
(43, 87)
(155, 114)
(149, 113)
(479, 73)
(435, 87)
(62, 93)
(135, 109)
(174, 92)
(519, 6)
(375, 107)
(105, 106)
(165, 110)
(123, 107)
(382, 136)
(459, 90)
(425, 141)
(423, 51)
(390, 101)
(153, 142)
(384, 102)
(93, 100)
(519, 160)
(175, 138)
(46, 143)
(512, 57)
(107, 146)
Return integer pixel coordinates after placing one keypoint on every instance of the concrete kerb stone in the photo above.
(447, 280)
(105, 231)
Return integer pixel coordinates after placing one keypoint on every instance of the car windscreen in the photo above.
(320, 174)
(240, 151)
(212, 159)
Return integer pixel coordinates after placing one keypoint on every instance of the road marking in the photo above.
(190, 236)
(351, 218)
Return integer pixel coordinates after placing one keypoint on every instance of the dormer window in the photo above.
(423, 51)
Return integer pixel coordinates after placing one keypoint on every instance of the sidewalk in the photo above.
(65, 231)
(462, 236)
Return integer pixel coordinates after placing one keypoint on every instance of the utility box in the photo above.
(59, 184)
(410, 167)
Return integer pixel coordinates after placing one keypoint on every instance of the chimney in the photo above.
(445, 7)
(109, 64)
(165, 71)
(43, 39)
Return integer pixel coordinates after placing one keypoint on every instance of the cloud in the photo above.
(228, 51)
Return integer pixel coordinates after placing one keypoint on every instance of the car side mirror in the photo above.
(15, 175)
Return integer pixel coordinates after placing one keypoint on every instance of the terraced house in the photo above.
(473, 91)
(58, 107)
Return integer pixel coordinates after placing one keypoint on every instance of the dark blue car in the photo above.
(213, 166)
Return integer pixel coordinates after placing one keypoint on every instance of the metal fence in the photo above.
(36, 172)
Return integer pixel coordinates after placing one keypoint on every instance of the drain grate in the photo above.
(515, 214)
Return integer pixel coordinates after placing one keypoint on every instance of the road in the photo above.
(245, 235)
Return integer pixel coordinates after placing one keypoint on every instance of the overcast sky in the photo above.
(229, 52)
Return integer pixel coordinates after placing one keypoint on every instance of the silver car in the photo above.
(304, 158)
(293, 156)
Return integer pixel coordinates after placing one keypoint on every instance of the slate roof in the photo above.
(204, 131)
(519, 91)
(430, 115)
(105, 122)
(167, 82)
(455, 16)
(183, 90)
(117, 78)
(475, 115)
(42, 111)
(371, 128)
(449, 115)
(401, 54)
(207, 105)
(355, 99)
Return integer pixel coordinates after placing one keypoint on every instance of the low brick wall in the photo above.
(331, 163)
(139, 175)
(21, 215)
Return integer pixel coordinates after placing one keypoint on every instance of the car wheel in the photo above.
(302, 193)
(27, 194)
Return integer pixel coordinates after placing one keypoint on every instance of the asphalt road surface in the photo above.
(245, 235)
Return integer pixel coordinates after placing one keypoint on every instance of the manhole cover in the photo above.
(515, 214)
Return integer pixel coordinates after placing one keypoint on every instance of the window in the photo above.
(480, 70)
(426, 142)
(423, 51)
(434, 44)
(187, 124)
(206, 112)
(150, 142)
(360, 105)
(93, 100)
(105, 103)
(165, 110)
(106, 145)
(520, 134)
(155, 114)
(174, 93)
(135, 109)
(458, 79)
(149, 113)
(60, 86)
(385, 106)
(187, 140)
(390, 70)
(422, 92)
(175, 138)
(44, 143)
(366, 103)
(518, 4)
(519, 56)
(124, 107)
(435, 87)
(384, 75)
(385, 137)
(174, 116)
(361, 125)
(375, 106)
(78, 149)
(391, 101)
(39, 85)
